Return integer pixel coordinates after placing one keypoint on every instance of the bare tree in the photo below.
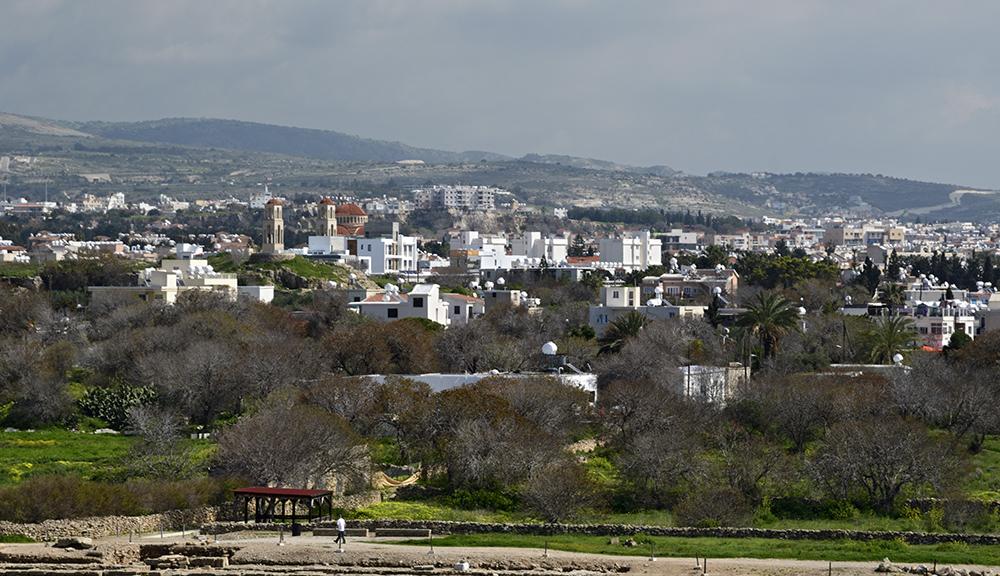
(750, 463)
(291, 445)
(157, 451)
(464, 348)
(556, 408)
(799, 407)
(559, 491)
(354, 399)
(879, 458)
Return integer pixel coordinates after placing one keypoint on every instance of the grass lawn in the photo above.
(984, 482)
(839, 551)
(88, 456)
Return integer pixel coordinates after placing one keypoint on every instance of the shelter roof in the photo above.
(287, 492)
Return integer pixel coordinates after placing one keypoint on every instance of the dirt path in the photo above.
(364, 555)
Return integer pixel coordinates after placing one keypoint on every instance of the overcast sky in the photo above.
(908, 89)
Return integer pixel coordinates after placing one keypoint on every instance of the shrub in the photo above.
(839, 510)
(491, 498)
(112, 404)
(560, 491)
(41, 498)
(712, 507)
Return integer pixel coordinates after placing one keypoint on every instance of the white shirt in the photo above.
(341, 525)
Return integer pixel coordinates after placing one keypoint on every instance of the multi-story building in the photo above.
(456, 198)
(632, 250)
(844, 236)
(424, 301)
(678, 239)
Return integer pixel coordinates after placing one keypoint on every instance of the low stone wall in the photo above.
(220, 520)
(98, 527)
(441, 528)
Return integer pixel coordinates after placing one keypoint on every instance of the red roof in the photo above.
(350, 210)
(326, 201)
(273, 202)
(289, 492)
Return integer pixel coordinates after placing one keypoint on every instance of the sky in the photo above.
(909, 89)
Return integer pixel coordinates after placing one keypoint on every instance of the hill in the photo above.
(252, 136)
(204, 158)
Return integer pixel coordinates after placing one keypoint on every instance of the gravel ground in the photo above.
(367, 556)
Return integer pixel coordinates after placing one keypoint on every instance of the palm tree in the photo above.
(891, 335)
(769, 318)
(621, 330)
(892, 294)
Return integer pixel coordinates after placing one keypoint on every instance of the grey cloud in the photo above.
(902, 88)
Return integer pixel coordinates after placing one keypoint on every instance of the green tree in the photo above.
(578, 247)
(870, 275)
(957, 341)
(892, 294)
(769, 318)
(891, 335)
(621, 330)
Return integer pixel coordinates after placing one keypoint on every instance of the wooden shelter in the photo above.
(266, 501)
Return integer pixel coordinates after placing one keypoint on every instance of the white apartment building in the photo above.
(678, 239)
(553, 248)
(631, 250)
(456, 197)
(388, 255)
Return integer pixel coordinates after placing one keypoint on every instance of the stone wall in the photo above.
(441, 528)
(98, 527)
(219, 520)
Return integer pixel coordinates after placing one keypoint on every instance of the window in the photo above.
(458, 310)
(418, 301)
(392, 313)
(614, 293)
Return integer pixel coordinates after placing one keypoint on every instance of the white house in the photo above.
(617, 301)
(424, 301)
(173, 277)
(462, 308)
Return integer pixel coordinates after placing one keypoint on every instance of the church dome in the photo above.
(350, 210)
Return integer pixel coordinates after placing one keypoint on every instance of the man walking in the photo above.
(341, 527)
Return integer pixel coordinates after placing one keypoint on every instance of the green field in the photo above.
(57, 452)
(89, 456)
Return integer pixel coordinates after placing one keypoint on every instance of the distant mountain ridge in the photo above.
(148, 148)
(253, 136)
(327, 144)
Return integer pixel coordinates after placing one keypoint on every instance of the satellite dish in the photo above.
(897, 358)
(501, 281)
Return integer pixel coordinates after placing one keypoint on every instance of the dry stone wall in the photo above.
(98, 527)
(442, 528)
